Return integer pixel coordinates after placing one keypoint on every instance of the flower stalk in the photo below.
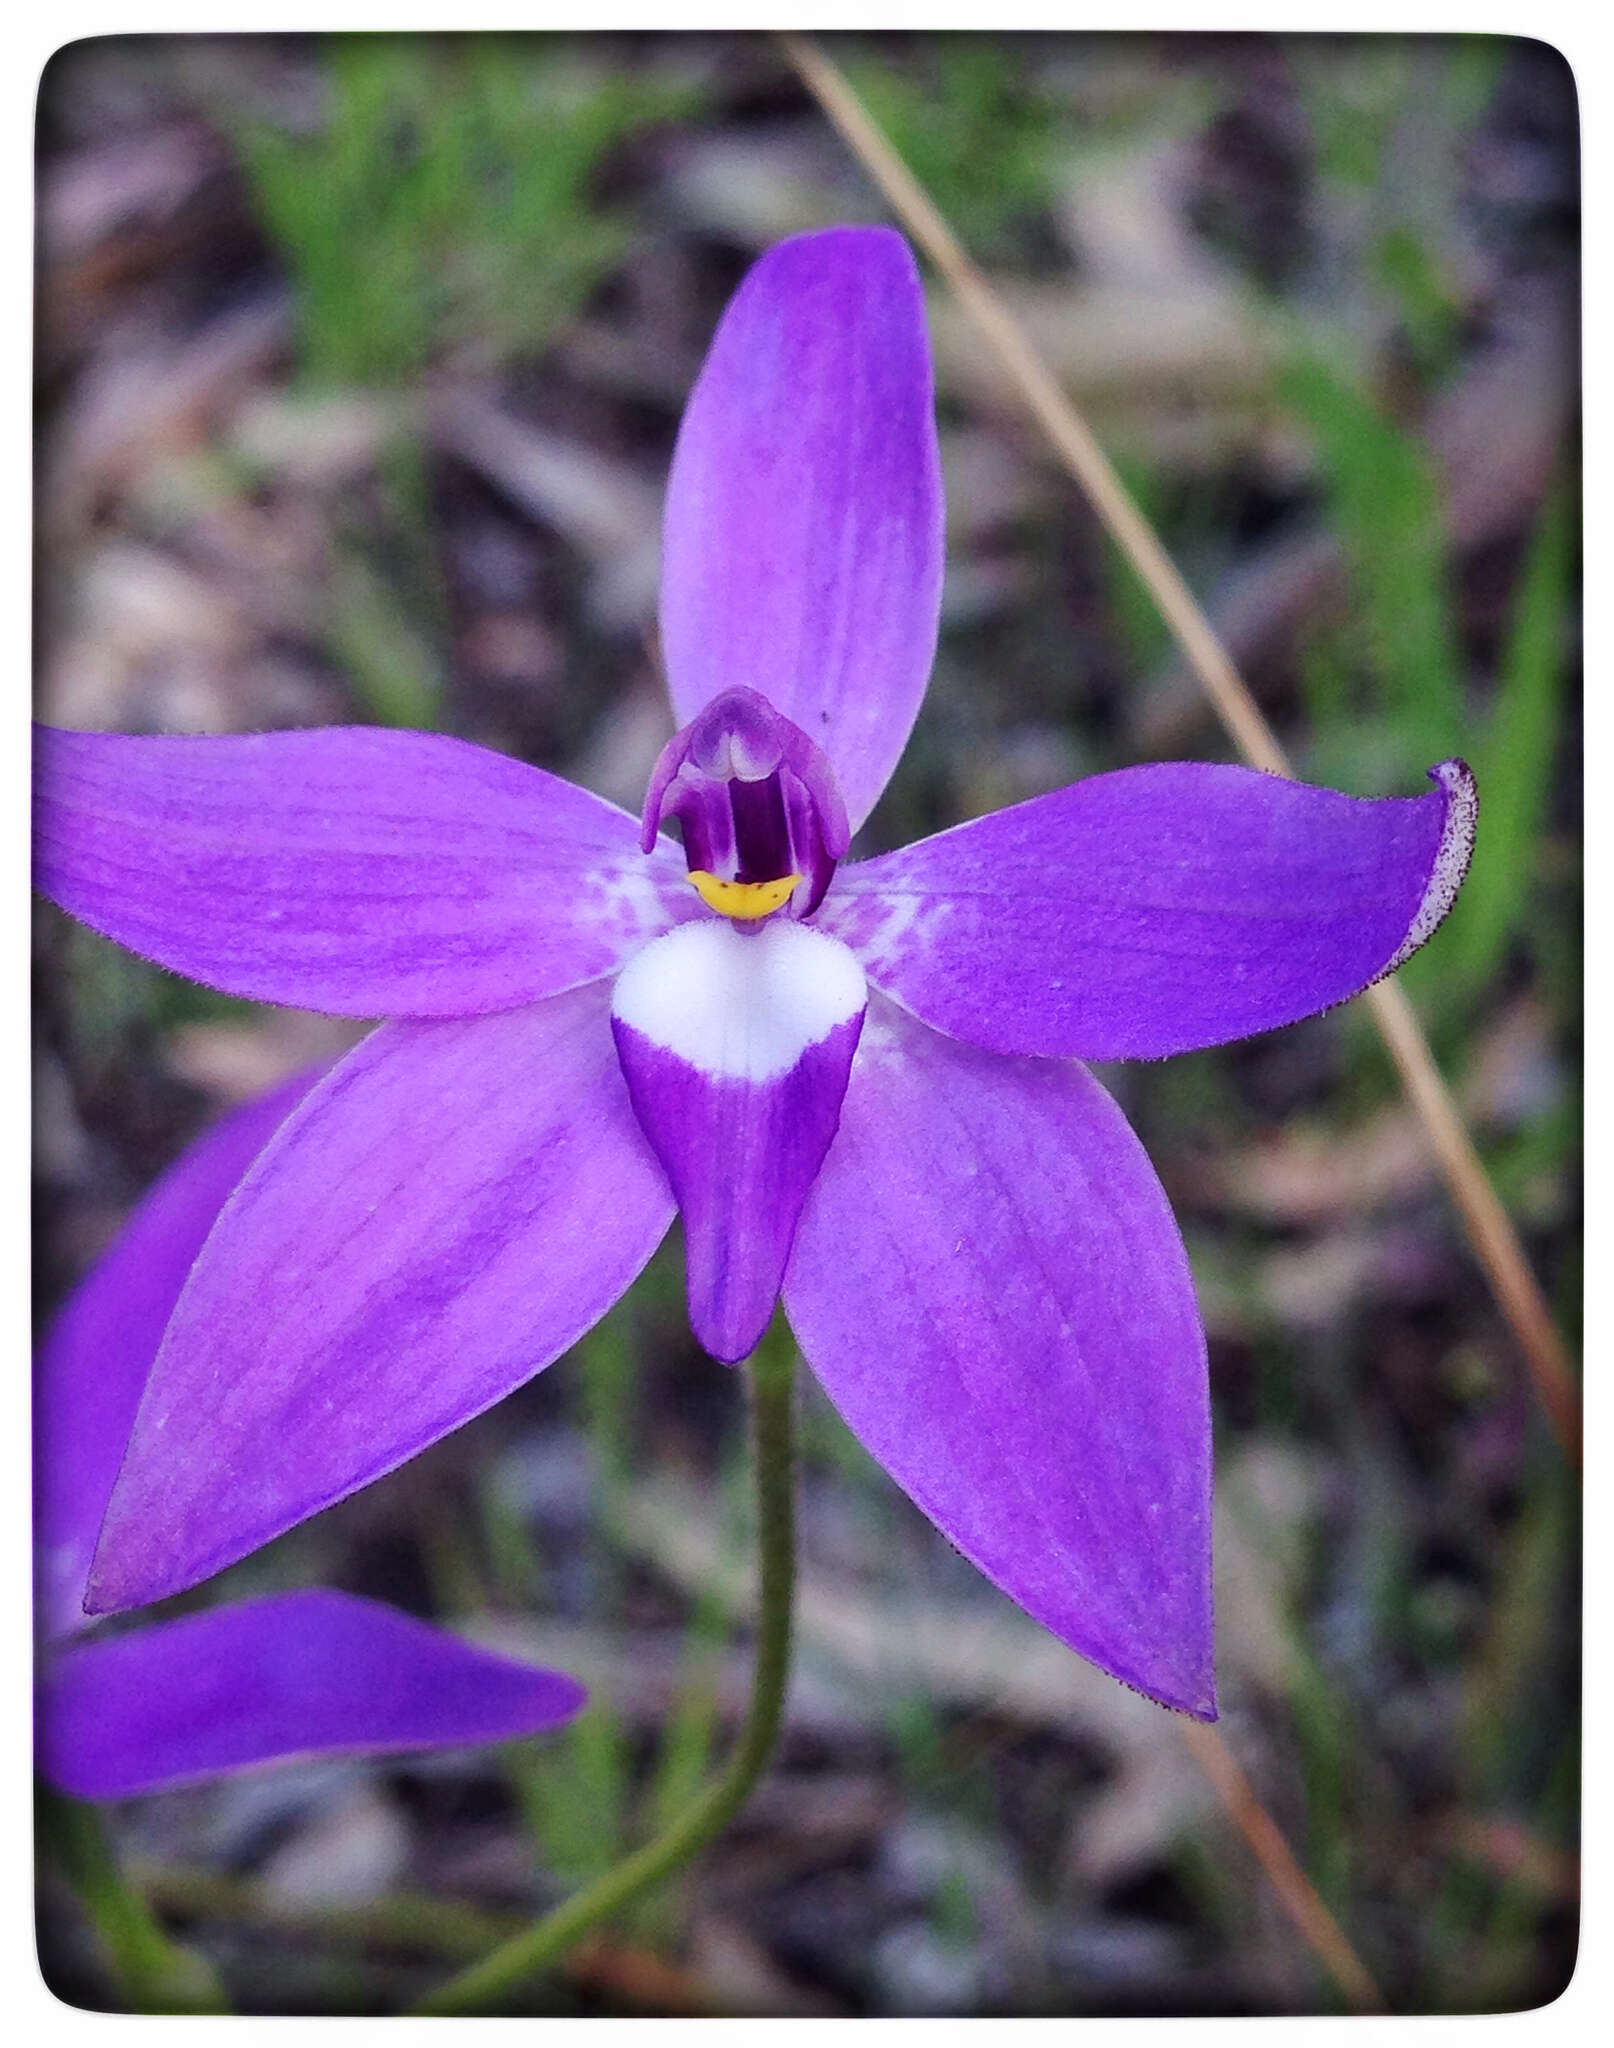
(770, 1376)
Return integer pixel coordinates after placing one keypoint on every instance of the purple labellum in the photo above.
(737, 1047)
(855, 1081)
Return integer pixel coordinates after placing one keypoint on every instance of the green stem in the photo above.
(770, 1372)
(154, 1974)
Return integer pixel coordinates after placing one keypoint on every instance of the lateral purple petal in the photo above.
(988, 1282)
(92, 1364)
(359, 871)
(299, 1674)
(449, 1211)
(1156, 909)
(802, 543)
(736, 1047)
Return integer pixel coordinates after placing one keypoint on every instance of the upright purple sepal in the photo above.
(359, 871)
(91, 1366)
(295, 1675)
(1156, 909)
(452, 1208)
(988, 1282)
(802, 544)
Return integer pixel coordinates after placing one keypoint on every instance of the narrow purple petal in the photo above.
(736, 1047)
(454, 1206)
(299, 1674)
(1156, 909)
(92, 1364)
(989, 1284)
(802, 545)
(363, 872)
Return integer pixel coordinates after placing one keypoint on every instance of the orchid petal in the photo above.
(988, 1282)
(736, 1048)
(299, 1674)
(359, 871)
(1156, 909)
(449, 1211)
(802, 544)
(92, 1365)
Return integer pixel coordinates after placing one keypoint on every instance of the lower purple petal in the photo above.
(92, 1365)
(450, 1210)
(1155, 909)
(989, 1284)
(736, 1047)
(300, 1674)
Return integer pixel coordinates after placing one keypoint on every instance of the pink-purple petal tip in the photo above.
(303, 1674)
(1156, 909)
(988, 1283)
(1453, 853)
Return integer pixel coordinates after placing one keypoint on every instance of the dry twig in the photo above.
(1496, 1243)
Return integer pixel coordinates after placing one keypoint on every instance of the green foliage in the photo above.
(386, 659)
(1385, 505)
(1325, 1742)
(1413, 275)
(447, 198)
(608, 1377)
(689, 1738)
(973, 124)
(1358, 90)
(1513, 761)
(574, 1791)
(154, 1974)
(1146, 635)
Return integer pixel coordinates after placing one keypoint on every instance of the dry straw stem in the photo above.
(1322, 1932)
(1496, 1243)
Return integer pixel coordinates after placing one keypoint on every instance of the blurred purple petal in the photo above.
(736, 1047)
(91, 1366)
(802, 546)
(1156, 909)
(989, 1284)
(299, 1674)
(450, 1210)
(357, 871)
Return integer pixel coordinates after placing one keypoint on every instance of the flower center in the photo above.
(756, 801)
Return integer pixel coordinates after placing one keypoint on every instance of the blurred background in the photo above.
(359, 365)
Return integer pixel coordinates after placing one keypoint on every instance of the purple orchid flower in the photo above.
(857, 1083)
(255, 1682)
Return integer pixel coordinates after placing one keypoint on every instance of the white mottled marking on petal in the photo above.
(1451, 858)
(737, 1005)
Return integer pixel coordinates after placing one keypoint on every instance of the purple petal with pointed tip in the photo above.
(92, 1364)
(802, 544)
(362, 872)
(988, 1282)
(299, 1674)
(736, 1047)
(1156, 909)
(450, 1210)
